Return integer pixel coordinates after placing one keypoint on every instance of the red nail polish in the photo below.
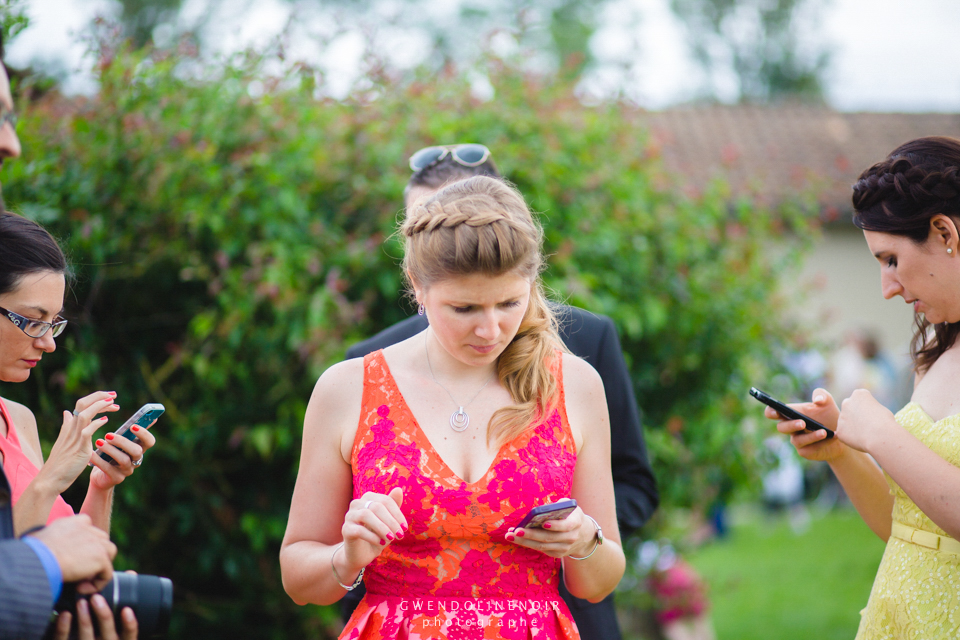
(389, 536)
(509, 538)
(404, 527)
(114, 406)
(134, 428)
(99, 443)
(112, 394)
(109, 436)
(399, 534)
(546, 525)
(383, 541)
(520, 533)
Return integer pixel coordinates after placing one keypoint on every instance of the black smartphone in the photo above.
(554, 511)
(786, 412)
(144, 416)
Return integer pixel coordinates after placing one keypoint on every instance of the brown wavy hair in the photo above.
(482, 225)
(900, 195)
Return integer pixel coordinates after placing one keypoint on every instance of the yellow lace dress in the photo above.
(916, 594)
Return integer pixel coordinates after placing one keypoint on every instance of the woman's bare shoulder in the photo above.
(26, 425)
(580, 374)
(340, 384)
(936, 390)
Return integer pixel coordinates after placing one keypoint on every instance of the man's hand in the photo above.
(84, 552)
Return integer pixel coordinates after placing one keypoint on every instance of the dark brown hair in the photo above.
(900, 196)
(26, 248)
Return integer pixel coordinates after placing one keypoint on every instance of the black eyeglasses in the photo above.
(7, 115)
(35, 328)
(468, 155)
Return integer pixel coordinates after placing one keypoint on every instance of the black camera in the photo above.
(150, 597)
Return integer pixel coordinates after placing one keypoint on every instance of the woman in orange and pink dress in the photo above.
(420, 460)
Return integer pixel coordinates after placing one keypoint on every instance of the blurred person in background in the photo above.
(908, 206)
(590, 336)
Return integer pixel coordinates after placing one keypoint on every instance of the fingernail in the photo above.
(818, 399)
(389, 537)
(109, 436)
(546, 525)
(404, 527)
(112, 394)
(399, 534)
(135, 428)
(509, 538)
(520, 533)
(383, 541)
(99, 443)
(114, 406)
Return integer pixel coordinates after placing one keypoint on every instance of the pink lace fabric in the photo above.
(454, 576)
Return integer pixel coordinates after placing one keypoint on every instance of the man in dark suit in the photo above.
(590, 336)
(34, 567)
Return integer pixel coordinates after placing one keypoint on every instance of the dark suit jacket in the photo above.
(593, 338)
(25, 602)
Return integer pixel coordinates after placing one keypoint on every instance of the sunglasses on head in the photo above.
(468, 155)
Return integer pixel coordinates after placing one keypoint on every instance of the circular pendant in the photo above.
(459, 420)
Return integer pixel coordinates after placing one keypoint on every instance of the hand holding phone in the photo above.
(787, 413)
(554, 511)
(143, 418)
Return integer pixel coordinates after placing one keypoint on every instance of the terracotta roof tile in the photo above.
(772, 152)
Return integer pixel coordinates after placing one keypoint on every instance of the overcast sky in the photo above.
(887, 55)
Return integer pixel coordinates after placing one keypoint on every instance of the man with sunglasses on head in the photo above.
(590, 336)
(35, 566)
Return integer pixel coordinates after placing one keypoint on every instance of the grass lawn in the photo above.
(769, 583)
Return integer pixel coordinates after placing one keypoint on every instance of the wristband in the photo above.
(348, 587)
(597, 545)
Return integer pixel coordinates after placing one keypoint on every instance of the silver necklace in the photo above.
(459, 420)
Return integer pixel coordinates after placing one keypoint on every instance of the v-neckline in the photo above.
(405, 407)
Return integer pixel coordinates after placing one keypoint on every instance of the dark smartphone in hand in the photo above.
(554, 511)
(144, 416)
(787, 413)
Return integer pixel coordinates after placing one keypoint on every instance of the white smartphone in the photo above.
(144, 416)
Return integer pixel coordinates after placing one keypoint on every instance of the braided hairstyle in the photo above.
(482, 225)
(899, 196)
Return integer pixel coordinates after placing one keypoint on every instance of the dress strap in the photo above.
(925, 538)
(12, 436)
(374, 365)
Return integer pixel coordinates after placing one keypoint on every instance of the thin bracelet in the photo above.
(599, 540)
(336, 576)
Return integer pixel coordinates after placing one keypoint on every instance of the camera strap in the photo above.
(6, 508)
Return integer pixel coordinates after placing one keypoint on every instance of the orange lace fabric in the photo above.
(454, 576)
(916, 594)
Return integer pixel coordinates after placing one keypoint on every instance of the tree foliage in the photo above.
(768, 44)
(230, 230)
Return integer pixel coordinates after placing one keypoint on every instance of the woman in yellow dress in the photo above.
(909, 209)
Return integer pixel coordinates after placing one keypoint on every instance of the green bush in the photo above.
(229, 227)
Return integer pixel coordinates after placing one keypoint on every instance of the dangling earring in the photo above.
(420, 310)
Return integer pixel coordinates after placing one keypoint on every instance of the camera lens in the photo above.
(150, 597)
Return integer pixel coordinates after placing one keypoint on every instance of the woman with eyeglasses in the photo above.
(902, 472)
(32, 287)
(420, 461)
